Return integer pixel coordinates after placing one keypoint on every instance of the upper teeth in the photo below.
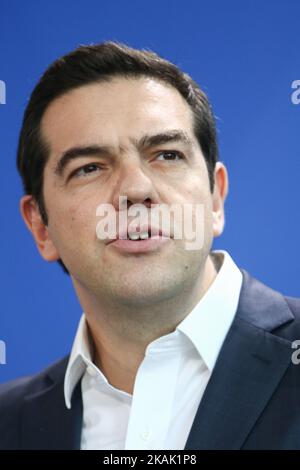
(137, 235)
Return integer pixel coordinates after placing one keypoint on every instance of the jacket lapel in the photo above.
(250, 365)
(46, 423)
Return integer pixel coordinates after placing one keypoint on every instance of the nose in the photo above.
(136, 185)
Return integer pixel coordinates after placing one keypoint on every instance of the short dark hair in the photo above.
(96, 63)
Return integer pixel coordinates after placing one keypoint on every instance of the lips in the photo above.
(139, 247)
(153, 232)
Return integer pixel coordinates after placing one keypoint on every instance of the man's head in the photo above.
(116, 97)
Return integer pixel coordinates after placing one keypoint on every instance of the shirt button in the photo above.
(145, 435)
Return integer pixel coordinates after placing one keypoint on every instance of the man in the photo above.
(176, 348)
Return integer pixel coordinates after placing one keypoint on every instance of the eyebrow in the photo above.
(145, 141)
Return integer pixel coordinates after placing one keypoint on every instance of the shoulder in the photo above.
(21, 387)
(292, 329)
(13, 394)
(294, 304)
(268, 309)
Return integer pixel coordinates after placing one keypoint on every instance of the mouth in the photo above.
(142, 241)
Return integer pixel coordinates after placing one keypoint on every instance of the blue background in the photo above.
(245, 55)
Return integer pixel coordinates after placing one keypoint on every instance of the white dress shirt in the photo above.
(170, 381)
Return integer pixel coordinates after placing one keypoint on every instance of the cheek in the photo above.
(82, 220)
(73, 223)
(194, 197)
(197, 193)
(200, 197)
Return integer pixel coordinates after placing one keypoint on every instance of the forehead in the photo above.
(113, 112)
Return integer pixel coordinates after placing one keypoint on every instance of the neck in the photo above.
(121, 334)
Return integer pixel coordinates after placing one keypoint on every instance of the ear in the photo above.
(219, 197)
(31, 215)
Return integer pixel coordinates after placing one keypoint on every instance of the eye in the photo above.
(170, 156)
(85, 170)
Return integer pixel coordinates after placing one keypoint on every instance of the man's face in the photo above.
(117, 115)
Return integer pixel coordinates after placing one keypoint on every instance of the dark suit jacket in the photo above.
(252, 400)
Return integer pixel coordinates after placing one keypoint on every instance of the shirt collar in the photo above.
(81, 357)
(208, 323)
(206, 326)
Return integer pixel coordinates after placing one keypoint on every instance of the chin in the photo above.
(143, 295)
